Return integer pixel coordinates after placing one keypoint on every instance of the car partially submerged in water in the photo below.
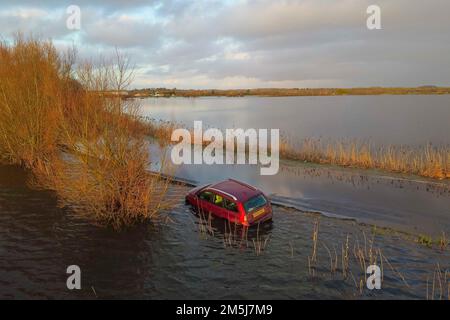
(232, 200)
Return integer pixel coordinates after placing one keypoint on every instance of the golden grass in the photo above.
(160, 130)
(440, 285)
(89, 148)
(427, 161)
(312, 259)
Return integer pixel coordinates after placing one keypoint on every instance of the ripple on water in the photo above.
(38, 241)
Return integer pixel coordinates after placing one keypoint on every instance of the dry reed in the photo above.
(440, 285)
(427, 161)
(312, 259)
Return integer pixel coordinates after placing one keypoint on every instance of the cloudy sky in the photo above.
(248, 44)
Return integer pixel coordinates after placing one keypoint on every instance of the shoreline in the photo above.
(280, 92)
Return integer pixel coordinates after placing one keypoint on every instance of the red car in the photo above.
(233, 200)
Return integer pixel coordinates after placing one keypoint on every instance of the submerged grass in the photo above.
(439, 287)
(352, 263)
(343, 261)
(87, 147)
(441, 242)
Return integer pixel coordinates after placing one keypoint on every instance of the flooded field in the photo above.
(179, 259)
(358, 217)
(342, 109)
(406, 203)
(394, 120)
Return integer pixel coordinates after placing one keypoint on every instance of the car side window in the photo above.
(230, 205)
(207, 196)
(218, 200)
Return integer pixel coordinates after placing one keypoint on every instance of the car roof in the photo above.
(240, 191)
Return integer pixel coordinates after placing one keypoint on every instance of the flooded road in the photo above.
(410, 204)
(182, 258)
(405, 203)
(177, 259)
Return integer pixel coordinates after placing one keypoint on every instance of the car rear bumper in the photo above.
(265, 218)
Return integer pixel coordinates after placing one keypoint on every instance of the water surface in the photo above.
(175, 259)
(411, 120)
(172, 260)
(405, 203)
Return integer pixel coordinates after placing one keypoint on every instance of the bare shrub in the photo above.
(81, 141)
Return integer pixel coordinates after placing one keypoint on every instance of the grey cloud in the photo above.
(121, 32)
(287, 42)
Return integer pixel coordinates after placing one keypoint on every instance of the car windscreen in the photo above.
(254, 203)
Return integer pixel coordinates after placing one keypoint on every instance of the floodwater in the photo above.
(411, 205)
(179, 258)
(406, 120)
(405, 203)
(176, 260)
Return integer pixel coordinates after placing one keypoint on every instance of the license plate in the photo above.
(258, 213)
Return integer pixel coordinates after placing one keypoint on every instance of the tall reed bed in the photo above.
(88, 147)
(427, 161)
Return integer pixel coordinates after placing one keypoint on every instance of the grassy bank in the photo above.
(89, 148)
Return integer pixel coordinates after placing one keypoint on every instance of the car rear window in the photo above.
(254, 203)
(230, 205)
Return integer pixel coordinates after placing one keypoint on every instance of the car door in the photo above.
(218, 205)
(231, 210)
(205, 199)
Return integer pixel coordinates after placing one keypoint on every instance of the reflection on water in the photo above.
(413, 206)
(406, 204)
(176, 260)
(411, 120)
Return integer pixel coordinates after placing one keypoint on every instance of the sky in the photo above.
(251, 44)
